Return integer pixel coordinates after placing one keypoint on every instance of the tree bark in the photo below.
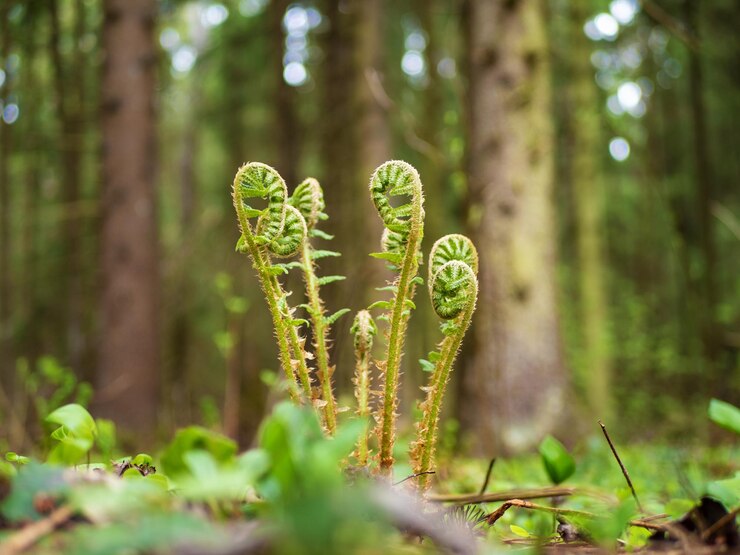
(515, 382)
(69, 111)
(588, 195)
(128, 376)
(6, 350)
(703, 194)
(287, 129)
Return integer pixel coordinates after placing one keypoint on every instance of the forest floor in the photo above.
(295, 493)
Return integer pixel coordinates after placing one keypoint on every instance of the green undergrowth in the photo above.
(296, 492)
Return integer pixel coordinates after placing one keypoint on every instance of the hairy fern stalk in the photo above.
(453, 290)
(287, 227)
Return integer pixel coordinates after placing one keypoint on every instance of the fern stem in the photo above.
(319, 339)
(430, 417)
(364, 329)
(272, 296)
(298, 352)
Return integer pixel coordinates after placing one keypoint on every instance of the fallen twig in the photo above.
(729, 517)
(498, 513)
(415, 476)
(468, 498)
(624, 470)
(488, 476)
(29, 535)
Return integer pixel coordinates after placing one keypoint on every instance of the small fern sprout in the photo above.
(308, 200)
(404, 229)
(453, 289)
(364, 330)
(279, 230)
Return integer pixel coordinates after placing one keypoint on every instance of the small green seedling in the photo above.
(725, 415)
(559, 464)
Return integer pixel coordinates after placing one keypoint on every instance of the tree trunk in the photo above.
(703, 196)
(69, 107)
(588, 189)
(287, 132)
(515, 382)
(346, 198)
(6, 351)
(128, 376)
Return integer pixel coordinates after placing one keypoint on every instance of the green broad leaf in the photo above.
(319, 254)
(334, 317)
(142, 458)
(393, 257)
(725, 415)
(409, 303)
(174, 460)
(559, 464)
(320, 234)
(276, 270)
(75, 419)
(29, 481)
(676, 508)
(418, 280)
(727, 491)
(426, 366)
(519, 531)
(325, 280)
(385, 305)
(391, 288)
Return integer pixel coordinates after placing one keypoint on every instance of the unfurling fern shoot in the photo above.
(453, 289)
(308, 199)
(280, 229)
(364, 330)
(404, 229)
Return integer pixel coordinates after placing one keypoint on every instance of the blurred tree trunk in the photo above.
(589, 199)
(6, 351)
(129, 352)
(515, 382)
(341, 155)
(287, 132)
(703, 194)
(70, 101)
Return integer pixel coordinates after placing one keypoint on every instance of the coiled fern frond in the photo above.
(396, 191)
(280, 229)
(308, 199)
(453, 290)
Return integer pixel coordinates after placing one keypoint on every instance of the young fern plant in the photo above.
(404, 230)
(279, 230)
(364, 330)
(453, 290)
(308, 199)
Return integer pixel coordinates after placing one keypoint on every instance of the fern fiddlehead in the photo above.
(279, 229)
(453, 290)
(308, 199)
(404, 230)
(364, 330)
